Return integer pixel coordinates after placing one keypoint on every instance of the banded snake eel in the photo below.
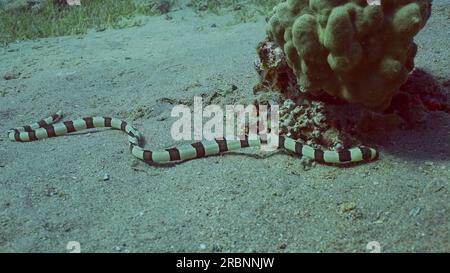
(47, 128)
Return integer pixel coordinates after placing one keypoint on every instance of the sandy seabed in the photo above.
(53, 191)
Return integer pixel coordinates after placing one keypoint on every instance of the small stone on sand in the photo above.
(105, 177)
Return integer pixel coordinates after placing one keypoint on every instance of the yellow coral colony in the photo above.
(361, 53)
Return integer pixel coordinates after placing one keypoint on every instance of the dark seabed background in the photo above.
(53, 191)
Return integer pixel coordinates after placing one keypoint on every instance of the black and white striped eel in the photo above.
(47, 128)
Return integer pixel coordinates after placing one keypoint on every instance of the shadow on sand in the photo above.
(429, 140)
